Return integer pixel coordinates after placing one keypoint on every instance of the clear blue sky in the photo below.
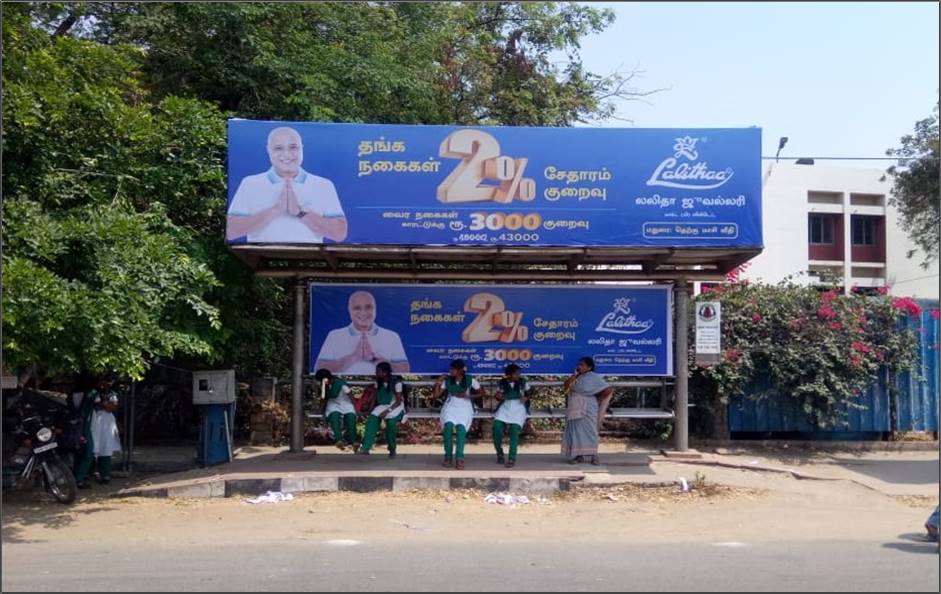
(838, 79)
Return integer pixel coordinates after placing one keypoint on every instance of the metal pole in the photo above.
(681, 328)
(297, 386)
(228, 435)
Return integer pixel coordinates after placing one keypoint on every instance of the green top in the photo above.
(386, 394)
(454, 388)
(514, 392)
(336, 387)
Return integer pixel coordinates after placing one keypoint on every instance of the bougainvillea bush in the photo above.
(821, 348)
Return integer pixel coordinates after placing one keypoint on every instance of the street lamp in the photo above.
(781, 144)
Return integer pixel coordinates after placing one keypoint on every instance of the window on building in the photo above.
(863, 231)
(821, 229)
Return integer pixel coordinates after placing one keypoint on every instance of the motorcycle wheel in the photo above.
(63, 486)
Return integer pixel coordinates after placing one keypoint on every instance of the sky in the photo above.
(838, 79)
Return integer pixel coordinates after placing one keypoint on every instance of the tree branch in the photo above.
(65, 25)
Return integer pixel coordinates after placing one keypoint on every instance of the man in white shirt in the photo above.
(286, 204)
(355, 349)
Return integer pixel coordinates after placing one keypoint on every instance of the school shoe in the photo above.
(446, 463)
(392, 453)
(459, 465)
(511, 463)
(576, 460)
(362, 452)
(340, 445)
(83, 485)
(500, 459)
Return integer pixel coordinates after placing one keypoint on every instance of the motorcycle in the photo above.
(36, 462)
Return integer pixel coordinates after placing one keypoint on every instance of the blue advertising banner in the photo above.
(544, 329)
(310, 183)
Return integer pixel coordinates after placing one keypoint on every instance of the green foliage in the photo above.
(390, 62)
(114, 147)
(789, 341)
(99, 288)
(916, 192)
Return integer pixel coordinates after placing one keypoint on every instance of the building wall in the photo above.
(792, 192)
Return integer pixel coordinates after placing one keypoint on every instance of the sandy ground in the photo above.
(760, 507)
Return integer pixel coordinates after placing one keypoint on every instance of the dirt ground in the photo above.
(786, 508)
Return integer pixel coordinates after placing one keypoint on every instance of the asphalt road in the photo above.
(907, 564)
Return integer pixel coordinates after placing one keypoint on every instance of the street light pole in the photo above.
(781, 144)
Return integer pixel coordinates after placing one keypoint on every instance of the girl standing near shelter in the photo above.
(105, 438)
(390, 405)
(457, 413)
(338, 408)
(588, 398)
(511, 412)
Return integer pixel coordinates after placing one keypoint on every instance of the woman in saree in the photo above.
(588, 398)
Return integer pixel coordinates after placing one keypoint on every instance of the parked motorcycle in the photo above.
(35, 461)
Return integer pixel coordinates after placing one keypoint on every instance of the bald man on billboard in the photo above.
(357, 348)
(286, 204)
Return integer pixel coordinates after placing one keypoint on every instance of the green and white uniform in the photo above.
(512, 410)
(511, 413)
(340, 411)
(457, 414)
(385, 401)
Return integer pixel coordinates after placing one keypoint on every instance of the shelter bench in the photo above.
(418, 407)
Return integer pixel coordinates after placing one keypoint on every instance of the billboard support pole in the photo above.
(681, 361)
(297, 370)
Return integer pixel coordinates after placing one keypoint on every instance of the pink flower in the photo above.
(835, 326)
(935, 313)
(856, 361)
(860, 347)
(907, 305)
(882, 290)
(826, 311)
(732, 355)
(828, 296)
(756, 317)
(795, 324)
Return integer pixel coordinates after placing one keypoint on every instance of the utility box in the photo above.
(214, 387)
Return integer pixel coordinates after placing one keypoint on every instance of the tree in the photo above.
(916, 191)
(386, 62)
(115, 118)
(98, 275)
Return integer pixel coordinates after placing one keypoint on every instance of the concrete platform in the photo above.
(257, 470)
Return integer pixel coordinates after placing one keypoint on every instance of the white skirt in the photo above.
(104, 433)
(459, 411)
(380, 408)
(341, 404)
(512, 412)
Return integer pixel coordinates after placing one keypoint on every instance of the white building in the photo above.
(827, 224)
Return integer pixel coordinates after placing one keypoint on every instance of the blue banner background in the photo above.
(639, 205)
(555, 348)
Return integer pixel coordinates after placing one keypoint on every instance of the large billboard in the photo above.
(544, 329)
(313, 183)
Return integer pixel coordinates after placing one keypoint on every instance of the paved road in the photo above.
(904, 565)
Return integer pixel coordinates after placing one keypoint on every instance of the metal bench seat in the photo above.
(544, 413)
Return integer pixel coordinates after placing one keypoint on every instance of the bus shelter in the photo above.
(432, 207)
